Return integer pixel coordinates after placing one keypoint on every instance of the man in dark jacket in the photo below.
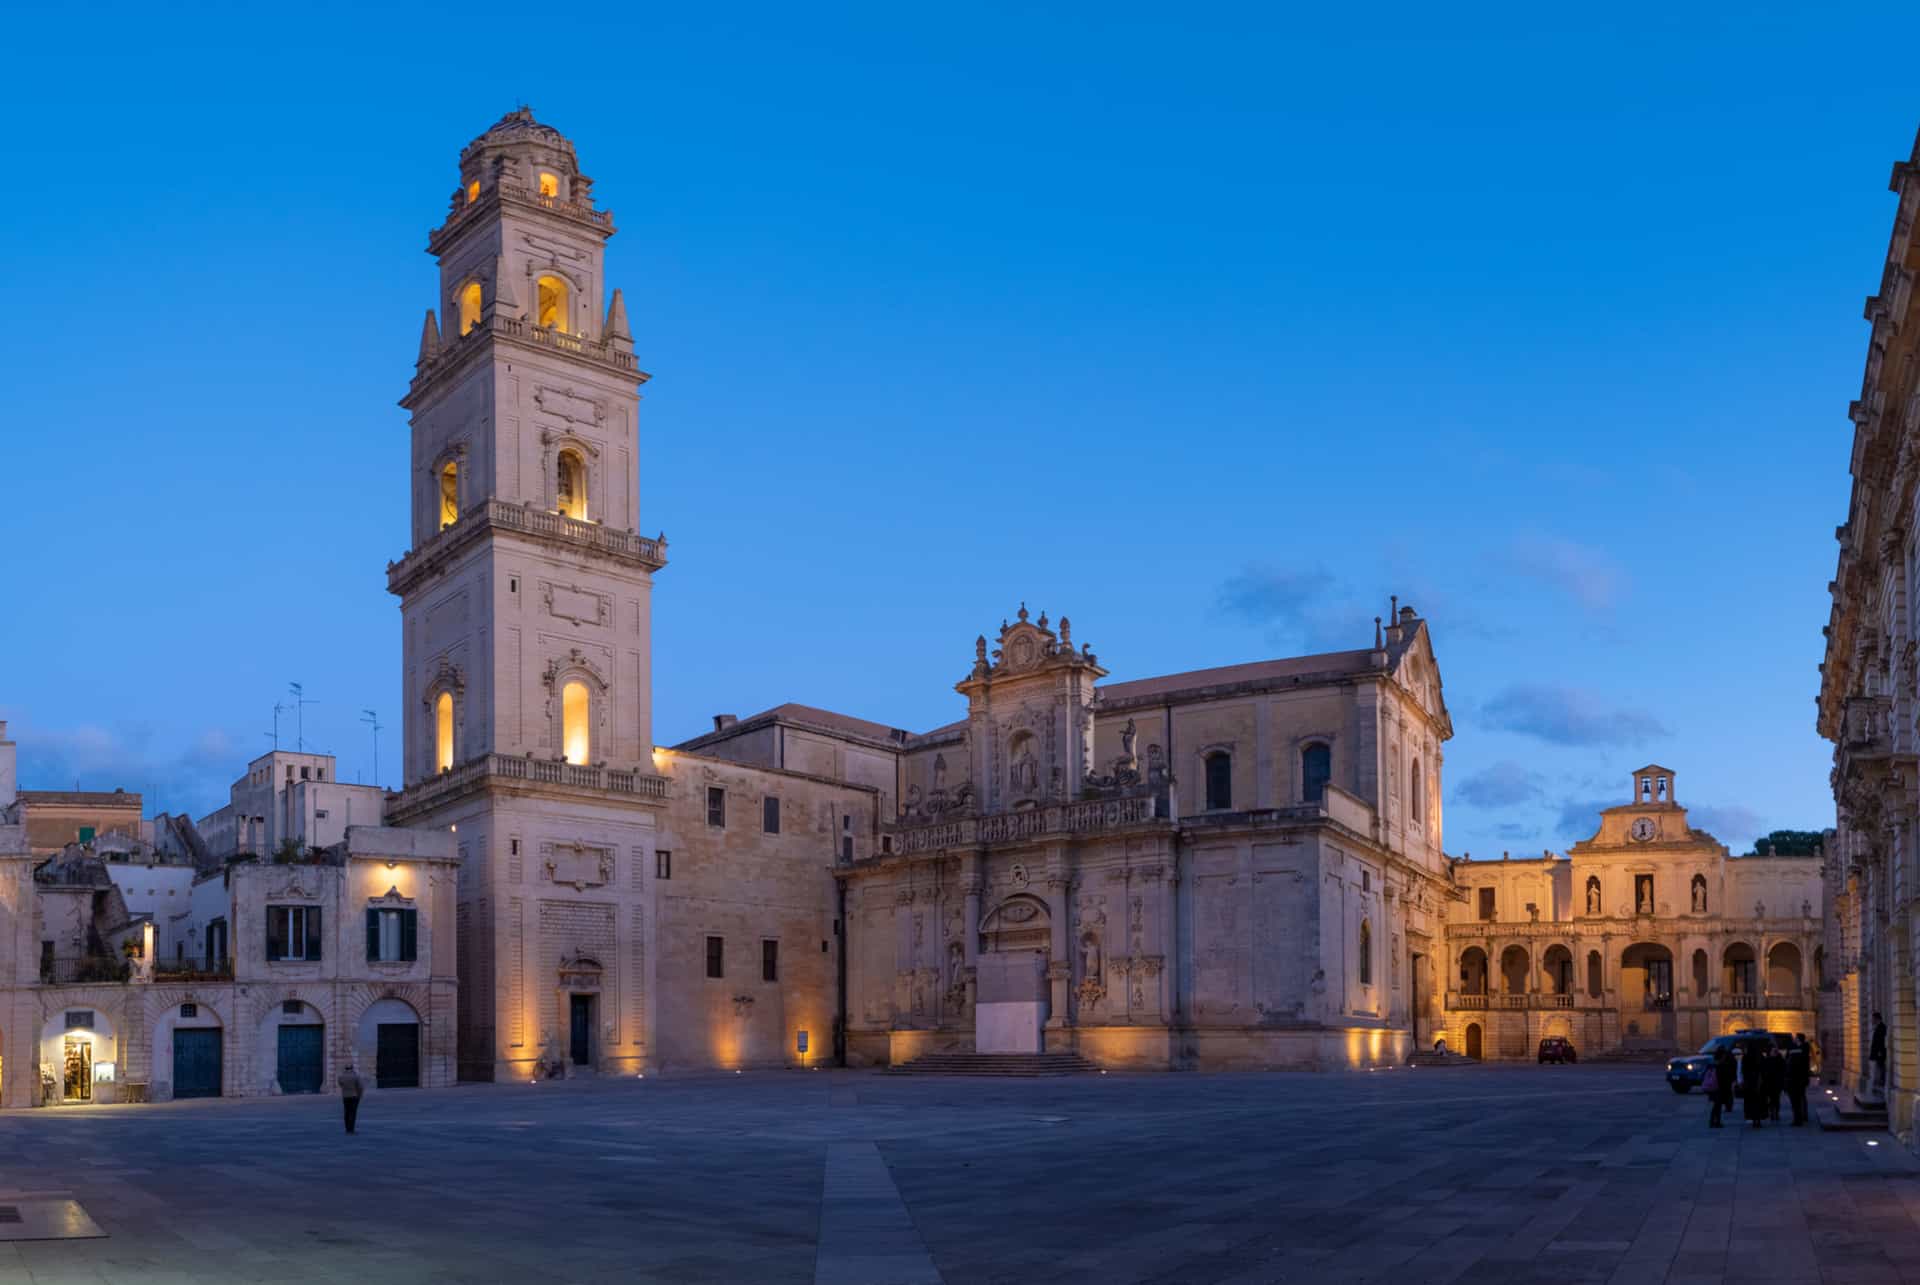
(1799, 1075)
(1753, 1084)
(1774, 1074)
(1877, 1053)
(1725, 1070)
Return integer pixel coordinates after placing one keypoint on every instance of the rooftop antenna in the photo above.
(300, 703)
(274, 735)
(372, 720)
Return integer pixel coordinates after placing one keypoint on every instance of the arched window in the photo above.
(576, 739)
(1594, 981)
(1413, 791)
(1219, 781)
(1316, 769)
(469, 306)
(443, 732)
(449, 494)
(549, 184)
(570, 486)
(550, 303)
(1366, 953)
(473, 191)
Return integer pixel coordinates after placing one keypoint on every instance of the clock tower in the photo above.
(525, 601)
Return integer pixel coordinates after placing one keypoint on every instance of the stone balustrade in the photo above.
(475, 772)
(502, 516)
(1012, 827)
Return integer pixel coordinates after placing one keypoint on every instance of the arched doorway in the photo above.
(1646, 991)
(1558, 962)
(1473, 1040)
(1783, 975)
(1740, 977)
(387, 1042)
(1514, 967)
(292, 1052)
(1473, 971)
(189, 1052)
(73, 1043)
(1012, 1002)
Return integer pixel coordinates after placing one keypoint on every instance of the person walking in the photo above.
(1799, 1075)
(1720, 1084)
(1774, 1076)
(1753, 1084)
(350, 1091)
(1877, 1054)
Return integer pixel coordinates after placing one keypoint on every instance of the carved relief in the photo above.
(580, 605)
(567, 404)
(580, 865)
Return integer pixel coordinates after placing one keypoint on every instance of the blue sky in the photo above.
(1209, 327)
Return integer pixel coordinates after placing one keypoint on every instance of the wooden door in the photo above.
(196, 1062)
(300, 1060)
(396, 1062)
(583, 1030)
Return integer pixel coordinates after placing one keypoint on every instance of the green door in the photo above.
(300, 1067)
(196, 1062)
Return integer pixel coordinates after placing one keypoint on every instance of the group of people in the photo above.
(1760, 1075)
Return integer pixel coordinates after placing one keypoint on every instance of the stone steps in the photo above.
(991, 1064)
(1850, 1115)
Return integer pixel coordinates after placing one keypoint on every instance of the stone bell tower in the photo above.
(525, 602)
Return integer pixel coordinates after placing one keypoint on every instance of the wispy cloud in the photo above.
(1734, 824)
(1587, 575)
(1580, 819)
(1567, 716)
(190, 774)
(1504, 784)
(1298, 607)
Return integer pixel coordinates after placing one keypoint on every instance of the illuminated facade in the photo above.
(620, 907)
(1229, 868)
(1869, 701)
(1646, 936)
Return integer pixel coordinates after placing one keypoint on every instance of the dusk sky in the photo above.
(1208, 326)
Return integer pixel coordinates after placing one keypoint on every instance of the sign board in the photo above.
(103, 1073)
(803, 1042)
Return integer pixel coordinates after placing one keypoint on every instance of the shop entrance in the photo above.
(77, 1085)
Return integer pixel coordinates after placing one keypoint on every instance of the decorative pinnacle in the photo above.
(1023, 612)
(1378, 641)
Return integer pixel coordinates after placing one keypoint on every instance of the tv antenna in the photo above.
(372, 720)
(274, 735)
(300, 703)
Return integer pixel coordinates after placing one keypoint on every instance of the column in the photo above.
(1060, 964)
(971, 883)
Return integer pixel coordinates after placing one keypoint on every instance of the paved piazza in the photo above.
(1459, 1174)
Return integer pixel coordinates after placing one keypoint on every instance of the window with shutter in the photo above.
(409, 935)
(373, 935)
(277, 932)
(312, 917)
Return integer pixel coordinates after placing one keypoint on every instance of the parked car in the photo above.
(1686, 1072)
(1557, 1048)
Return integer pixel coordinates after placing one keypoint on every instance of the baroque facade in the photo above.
(1236, 867)
(1646, 936)
(1867, 704)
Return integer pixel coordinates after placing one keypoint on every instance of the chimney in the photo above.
(721, 722)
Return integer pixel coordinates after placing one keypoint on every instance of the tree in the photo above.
(1789, 843)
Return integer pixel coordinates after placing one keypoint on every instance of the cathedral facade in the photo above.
(1647, 936)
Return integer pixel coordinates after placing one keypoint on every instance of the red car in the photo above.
(1557, 1048)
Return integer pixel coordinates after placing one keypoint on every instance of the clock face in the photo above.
(1643, 829)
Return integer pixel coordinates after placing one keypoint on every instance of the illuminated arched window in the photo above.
(549, 184)
(443, 732)
(1366, 953)
(570, 486)
(1219, 781)
(469, 306)
(473, 191)
(550, 303)
(576, 741)
(449, 495)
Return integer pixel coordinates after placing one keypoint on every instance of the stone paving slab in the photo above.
(1562, 1174)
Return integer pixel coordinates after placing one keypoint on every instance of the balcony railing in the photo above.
(1469, 1001)
(540, 771)
(1509, 1001)
(502, 516)
(1739, 999)
(192, 970)
(1556, 1001)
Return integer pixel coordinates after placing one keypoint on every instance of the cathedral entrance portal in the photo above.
(1010, 1005)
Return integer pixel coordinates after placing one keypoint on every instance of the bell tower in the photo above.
(525, 598)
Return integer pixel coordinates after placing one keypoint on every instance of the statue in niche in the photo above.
(1593, 896)
(939, 773)
(1699, 896)
(1090, 957)
(1025, 773)
(956, 970)
(1127, 739)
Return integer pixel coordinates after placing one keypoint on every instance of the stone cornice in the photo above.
(497, 516)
